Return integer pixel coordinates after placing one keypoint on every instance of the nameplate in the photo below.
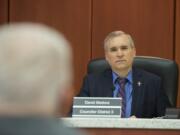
(97, 107)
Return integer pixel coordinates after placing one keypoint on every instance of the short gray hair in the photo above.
(117, 34)
(35, 63)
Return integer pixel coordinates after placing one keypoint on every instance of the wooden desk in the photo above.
(114, 126)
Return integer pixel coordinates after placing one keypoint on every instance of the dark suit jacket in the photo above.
(148, 99)
(34, 126)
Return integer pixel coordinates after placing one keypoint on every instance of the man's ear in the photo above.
(134, 52)
(106, 57)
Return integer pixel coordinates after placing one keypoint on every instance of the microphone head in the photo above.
(113, 88)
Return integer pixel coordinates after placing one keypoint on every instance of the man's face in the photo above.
(119, 53)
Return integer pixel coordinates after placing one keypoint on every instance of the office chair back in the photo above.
(165, 68)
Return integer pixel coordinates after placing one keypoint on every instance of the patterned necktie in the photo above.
(121, 93)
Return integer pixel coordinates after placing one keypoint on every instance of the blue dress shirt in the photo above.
(128, 90)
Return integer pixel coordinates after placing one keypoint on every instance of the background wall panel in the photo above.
(177, 42)
(3, 11)
(150, 22)
(72, 17)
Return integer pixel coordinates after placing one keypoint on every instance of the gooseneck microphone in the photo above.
(113, 88)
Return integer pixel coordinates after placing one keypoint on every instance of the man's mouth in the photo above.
(120, 61)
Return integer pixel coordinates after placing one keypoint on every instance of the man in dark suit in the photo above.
(143, 96)
(35, 75)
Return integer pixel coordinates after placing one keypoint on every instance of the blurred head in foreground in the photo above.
(35, 69)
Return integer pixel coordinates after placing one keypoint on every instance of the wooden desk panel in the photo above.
(113, 131)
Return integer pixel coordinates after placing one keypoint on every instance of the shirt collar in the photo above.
(128, 77)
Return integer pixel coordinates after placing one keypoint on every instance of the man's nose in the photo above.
(119, 52)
